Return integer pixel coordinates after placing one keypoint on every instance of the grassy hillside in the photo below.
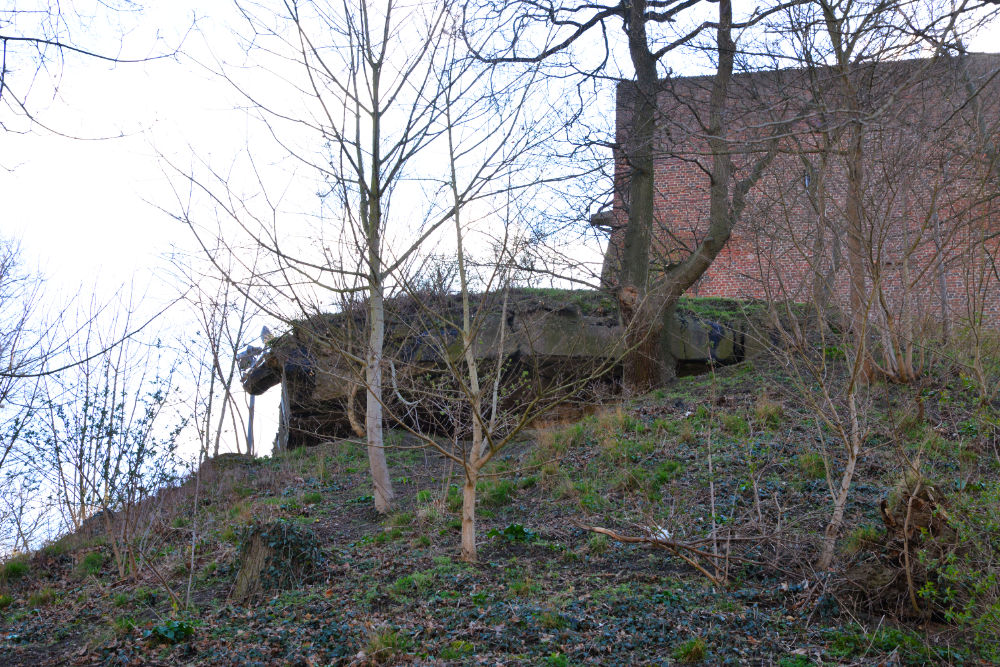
(731, 454)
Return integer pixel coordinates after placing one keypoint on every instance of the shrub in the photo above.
(563, 487)
(123, 625)
(145, 595)
(834, 353)
(550, 473)
(239, 511)
(498, 493)
(427, 514)
(527, 482)
(589, 496)
(13, 569)
(609, 423)
(42, 598)
(386, 644)
(907, 644)
(553, 443)
(58, 548)
(686, 433)
(170, 632)
(514, 532)
(630, 480)
(768, 413)
(523, 587)
(551, 620)
(667, 471)
(454, 498)
(242, 491)
(312, 498)
(735, 425)
(389, 535)
(632, 424)
(6, 601)
(862, 538)
(457, 650)
(90, 564)
(418, 582)
(693, 650)
(401, 519)
(964, 582)
(598, 544)
(811, 465)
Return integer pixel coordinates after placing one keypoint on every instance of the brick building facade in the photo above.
(927, 184)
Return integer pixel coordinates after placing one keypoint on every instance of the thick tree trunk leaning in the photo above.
(643, 324)
(648, 303)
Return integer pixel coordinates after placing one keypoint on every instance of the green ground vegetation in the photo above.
(709, 455)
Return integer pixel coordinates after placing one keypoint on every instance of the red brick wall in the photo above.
(928, 195)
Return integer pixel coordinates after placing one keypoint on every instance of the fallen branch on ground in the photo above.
(689, 552)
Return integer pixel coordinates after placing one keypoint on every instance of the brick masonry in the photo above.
(930, 216)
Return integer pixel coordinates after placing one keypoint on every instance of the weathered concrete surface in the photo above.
(694, 339)
(545, 334)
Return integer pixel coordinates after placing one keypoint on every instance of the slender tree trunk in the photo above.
(208, 416)
(371, 217)
(218, 429)
(942, 277)
(478, 442)
(843, 48)
(474, 459)
(823, 277)
(856, 244)
(373, 413)
(285, 427)
(352, 416)
(843, 491)
(469, 514)
(250, 426)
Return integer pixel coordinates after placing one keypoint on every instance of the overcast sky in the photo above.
(86, 210)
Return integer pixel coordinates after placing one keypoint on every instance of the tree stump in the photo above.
(275, 555)
(253, 559)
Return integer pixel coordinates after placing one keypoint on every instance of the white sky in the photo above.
(85, 211)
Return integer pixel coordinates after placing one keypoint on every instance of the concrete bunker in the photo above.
(530, 342)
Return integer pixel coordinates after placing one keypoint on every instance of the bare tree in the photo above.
(37, 38)
(22, 516)
(979, 250)
(223, 318)
(883, 141)
(490, 364)
(651, 35)
(379, 85)
(866, 214)
(21, 346)
(100, 442)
